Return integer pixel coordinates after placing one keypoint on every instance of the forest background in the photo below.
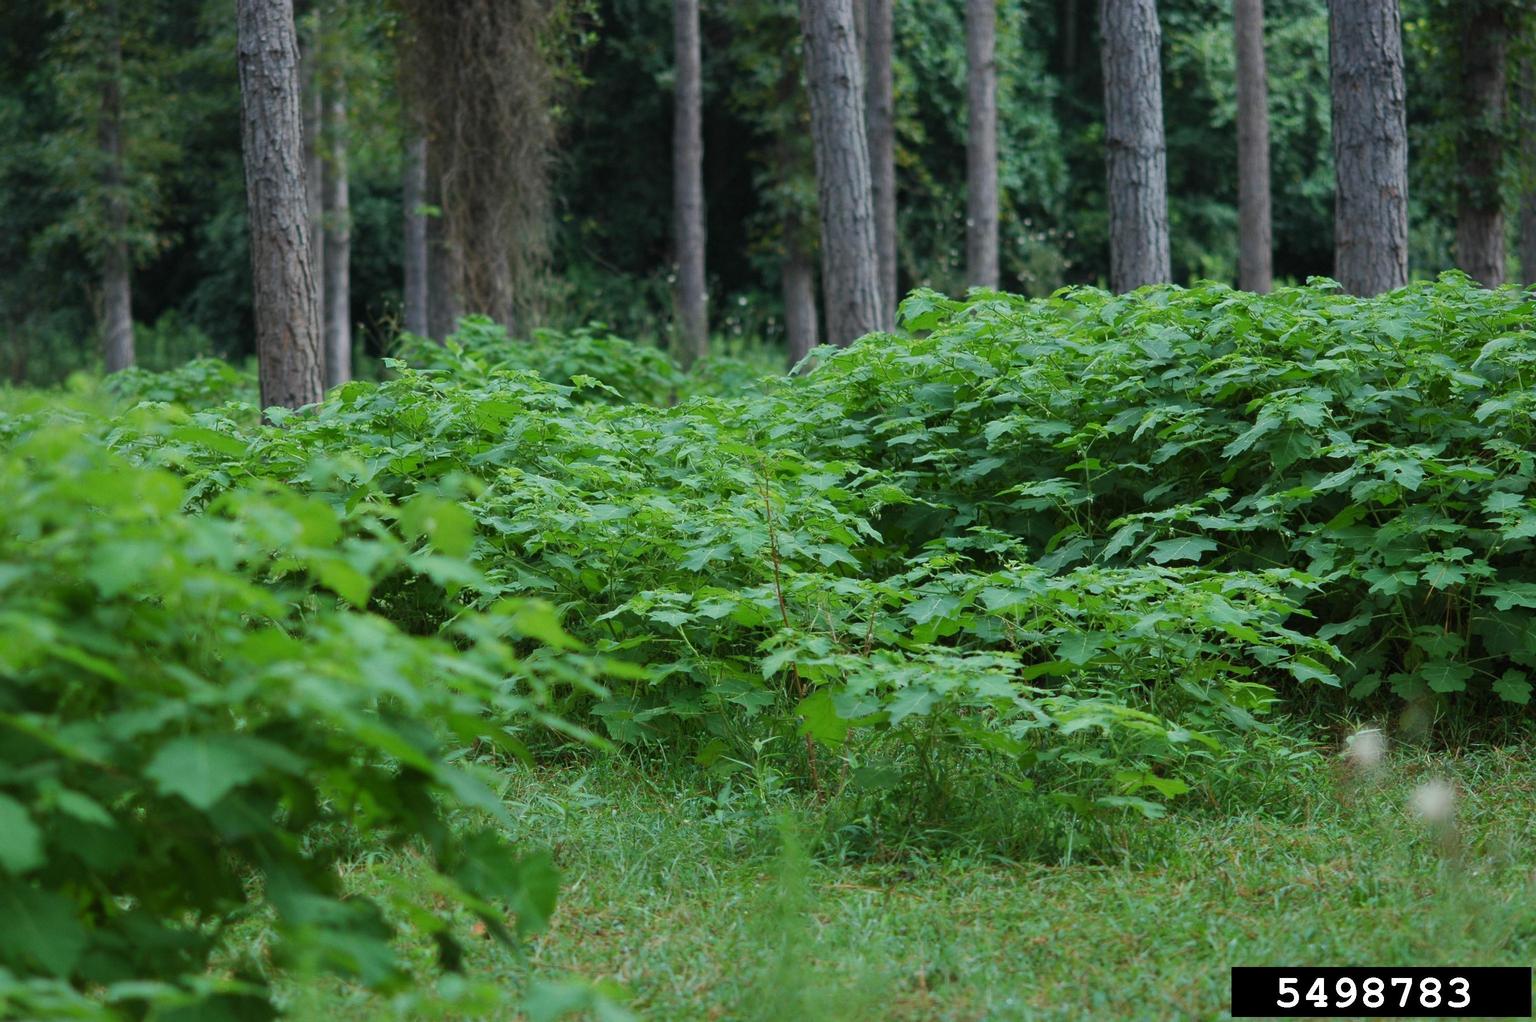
(611, 253)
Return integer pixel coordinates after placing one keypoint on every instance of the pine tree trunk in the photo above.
(881, 118)
(1479, 204)
(850, 274)
(981, 214)
(799, 284)
(414, 257)
(1528, 172)
(288, 347)
(1255, 270)
(444, 304)
(116, 266)
(688, 185)
(1137, 154)
(1370, 145)
(338, 243)
(310, 78)
(1068, 16)
(861, 34)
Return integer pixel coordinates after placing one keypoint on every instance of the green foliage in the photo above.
(199, 383)
(586, 357)
(196, 731)
(1382, 446)
(751, 559)
(1075, 549)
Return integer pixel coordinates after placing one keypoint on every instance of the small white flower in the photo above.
(1366, 748)
(1434, 802)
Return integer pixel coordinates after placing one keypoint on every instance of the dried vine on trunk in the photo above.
(479, 73)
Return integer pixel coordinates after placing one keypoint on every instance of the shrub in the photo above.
(199, 383)
(602, 366)
(747, 577)
(192, 731)
(1383, 446)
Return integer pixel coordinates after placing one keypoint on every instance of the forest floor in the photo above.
(698, 907)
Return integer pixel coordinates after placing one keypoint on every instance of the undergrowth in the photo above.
(1032, 569)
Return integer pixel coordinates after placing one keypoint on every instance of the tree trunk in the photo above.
(1067, 16)
(310, 78)
(799, 271)
(688, 185)
(861, 33)
(117, 308)
(116, 265)
(487, 89)
(1137, 154)
(881, 119)
(413, 199)
(338, 243)
(981, 143)
(1255, 269)
(850, 276)
(1528, 172)
(1479, 204)
(288, 346)
(444, 305)
(1370, 145)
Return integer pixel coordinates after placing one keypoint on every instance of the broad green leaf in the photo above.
(1513, 686)
(1498, 503)
(41, 927)
(1080, 647)
(819, 719)
(204, 768)
(339, 576)
(910, 702)
(1446, 675)
(443, 523)
(535, 619)
(1444, 574)
(1185, 548)
(21, 842)
(1304, 668)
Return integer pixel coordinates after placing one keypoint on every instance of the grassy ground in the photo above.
(699, 909)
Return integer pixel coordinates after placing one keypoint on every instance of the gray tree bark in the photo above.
(850, 276)
(1370, 145)
(861, 32)
(116, 264)
(338, 243)
(1255, 268)
(1527, 228)
(881, 124)
(981, 215)
(1137, 153)
(800, 326)
(288, 345)
(444, 303)
(413, 199)
(310, 83)
(1479, 203)
(688, 184)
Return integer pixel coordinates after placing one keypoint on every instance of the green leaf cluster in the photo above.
(194, 733)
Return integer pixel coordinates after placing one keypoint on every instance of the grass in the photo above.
(703, 907)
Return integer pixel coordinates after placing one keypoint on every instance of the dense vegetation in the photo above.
(1059, 564)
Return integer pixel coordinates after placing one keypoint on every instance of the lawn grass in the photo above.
(699, 908)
